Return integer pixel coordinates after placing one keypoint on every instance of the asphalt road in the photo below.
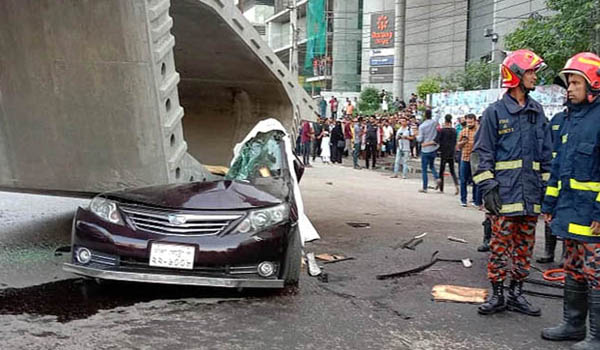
(43, 308)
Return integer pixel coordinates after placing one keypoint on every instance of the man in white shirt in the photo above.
(388, 134)
(403, 137)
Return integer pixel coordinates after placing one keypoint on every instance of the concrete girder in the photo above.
(93, 93)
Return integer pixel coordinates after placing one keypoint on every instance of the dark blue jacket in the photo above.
(555, 125)
(515, 151)
(573, 193)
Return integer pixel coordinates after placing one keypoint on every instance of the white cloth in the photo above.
(307, 230)
(325, 149)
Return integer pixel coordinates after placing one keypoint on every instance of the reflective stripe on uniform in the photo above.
(554, 154)
(535, 166)
(555, 127)
(552, 191)
(585, 186)
(580, 230)
(537, 208)
(545, 176)
(564, 138)
(598, 198)
(511, 208)
(486, 175)
(510, 164)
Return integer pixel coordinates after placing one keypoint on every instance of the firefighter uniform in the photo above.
(515, 151)
(573, 201)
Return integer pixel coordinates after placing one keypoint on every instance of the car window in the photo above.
(261, 157)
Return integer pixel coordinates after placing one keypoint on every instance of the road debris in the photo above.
(456, 239)
(61, 250)
(313, 268)
(332, 258)
(421, 268)
(329, 183)
(359, 224)
(411, 243)
(459, 294)
(467, 262)
(544, 283)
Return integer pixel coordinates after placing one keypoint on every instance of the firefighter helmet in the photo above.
(516, 64)
(587, 65)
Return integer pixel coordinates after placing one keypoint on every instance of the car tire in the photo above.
(293, 259)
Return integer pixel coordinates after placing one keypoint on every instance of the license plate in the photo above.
(172, 255)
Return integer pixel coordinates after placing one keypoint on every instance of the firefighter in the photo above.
(515, 151)
(572, 203)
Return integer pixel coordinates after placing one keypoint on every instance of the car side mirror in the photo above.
(298, 168)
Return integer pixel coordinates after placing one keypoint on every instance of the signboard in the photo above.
(382, 61)
(381, 79)
(382, 30)
(381, 70)
(381, 52)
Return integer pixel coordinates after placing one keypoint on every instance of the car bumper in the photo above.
(172, 279)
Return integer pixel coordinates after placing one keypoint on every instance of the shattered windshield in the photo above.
(260, 157)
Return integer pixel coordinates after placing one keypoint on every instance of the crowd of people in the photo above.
(322, 65)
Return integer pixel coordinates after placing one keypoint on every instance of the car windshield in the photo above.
(261, 157)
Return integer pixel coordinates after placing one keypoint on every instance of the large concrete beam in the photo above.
(91, 98)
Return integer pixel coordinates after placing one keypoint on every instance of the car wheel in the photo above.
(293, 259)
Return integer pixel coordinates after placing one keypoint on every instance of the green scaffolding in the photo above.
(316, 33)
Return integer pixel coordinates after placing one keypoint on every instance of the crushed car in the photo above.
(245, 230)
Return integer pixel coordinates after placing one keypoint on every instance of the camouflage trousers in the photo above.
(582, 262)
(513, 238)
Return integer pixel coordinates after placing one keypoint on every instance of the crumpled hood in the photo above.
(217, 195)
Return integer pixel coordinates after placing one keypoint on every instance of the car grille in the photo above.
(177, 224)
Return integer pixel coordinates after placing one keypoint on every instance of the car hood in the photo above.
(216, 195)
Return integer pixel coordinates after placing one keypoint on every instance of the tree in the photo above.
(475, 76)
(429, 85)
(368, 102)
(572, 27)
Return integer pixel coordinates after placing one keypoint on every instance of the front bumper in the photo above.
(172, 279)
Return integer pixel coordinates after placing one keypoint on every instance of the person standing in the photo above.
(337, 142)
(325, 144)
(465, 144)
(572, 205)
(426, 136)
(515, 150)
(371, 142)
(358, 135)
(404, 136)
(317, 139)
(347, 136)
(447, 141)
(388, 137)
(333, 105)
(307, 135)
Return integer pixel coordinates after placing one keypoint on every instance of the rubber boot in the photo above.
(487, 235)
(517, 302)
(592, 341)
(550, 246)
(575, 308)
(496, 301)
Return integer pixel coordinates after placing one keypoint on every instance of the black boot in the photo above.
(487, 235)
(496, 301)
(575, 308)
(517, 302)
(592, 341)
(550, 246)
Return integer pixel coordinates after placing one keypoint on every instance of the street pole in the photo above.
(400, 26)
(294, 41)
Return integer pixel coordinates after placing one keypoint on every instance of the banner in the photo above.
(316, 32)
(551, 97)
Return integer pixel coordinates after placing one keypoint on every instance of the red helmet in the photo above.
(516, 64)
(587, 65)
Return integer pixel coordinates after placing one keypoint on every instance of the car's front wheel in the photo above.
(293, 259)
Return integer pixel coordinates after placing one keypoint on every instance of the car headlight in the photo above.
(106, 209)
(257, 220)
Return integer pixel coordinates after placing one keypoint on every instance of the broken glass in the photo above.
(260, 157)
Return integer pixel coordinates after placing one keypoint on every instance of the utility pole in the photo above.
(293, 66)
(400, 27)
(596, 29)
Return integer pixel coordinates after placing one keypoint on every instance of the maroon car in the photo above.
(238, 232)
